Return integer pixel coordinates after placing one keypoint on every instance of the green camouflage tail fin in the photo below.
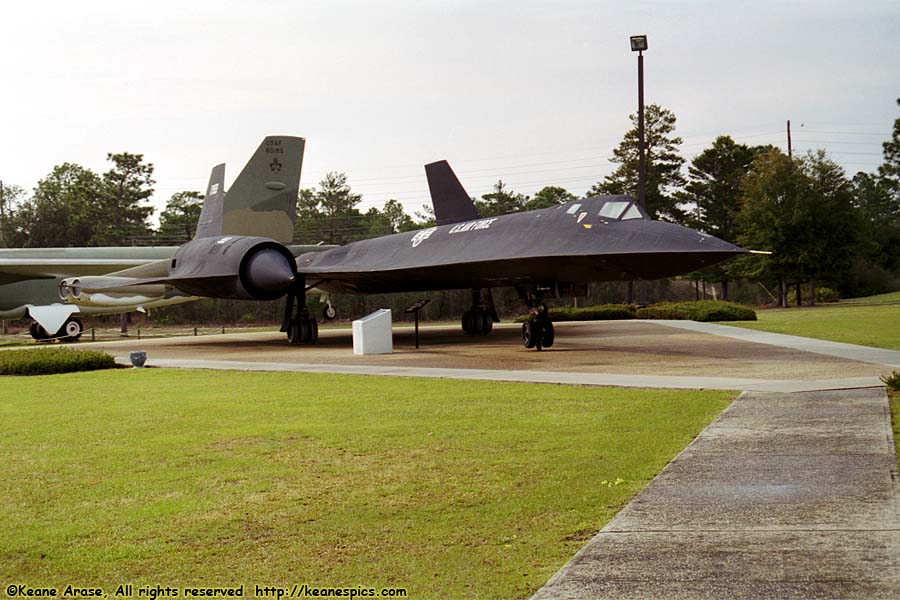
(262, 201)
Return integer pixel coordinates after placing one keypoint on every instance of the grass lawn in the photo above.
(889, 298)
(867, 325)
(447, 488)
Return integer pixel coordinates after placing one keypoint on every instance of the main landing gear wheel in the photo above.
(312, 331)
(299, 327)
(38, 333)
(477, 322)
(303, 331)
(71, 330)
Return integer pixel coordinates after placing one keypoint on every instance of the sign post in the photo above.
(415, 308)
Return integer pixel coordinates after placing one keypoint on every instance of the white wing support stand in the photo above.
(51, 317)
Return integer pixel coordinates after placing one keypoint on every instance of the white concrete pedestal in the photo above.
(372, 334)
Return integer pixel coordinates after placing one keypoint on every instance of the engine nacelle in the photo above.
(240, 267)
(109, 291)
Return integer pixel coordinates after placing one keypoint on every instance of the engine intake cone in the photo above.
(268, 271)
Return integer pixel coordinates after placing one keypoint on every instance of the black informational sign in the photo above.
(414, 308)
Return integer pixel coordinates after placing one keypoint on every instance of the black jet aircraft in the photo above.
(548, 252)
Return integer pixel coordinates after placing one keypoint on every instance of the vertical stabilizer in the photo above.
(262, 201)
(210, 223)
(451, 202)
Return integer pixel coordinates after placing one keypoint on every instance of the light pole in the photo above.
(639, 44)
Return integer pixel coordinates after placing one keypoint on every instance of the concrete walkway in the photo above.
(782, 496)
(562, 377)
(867, 354)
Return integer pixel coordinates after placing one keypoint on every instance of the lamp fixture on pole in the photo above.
(639, 44)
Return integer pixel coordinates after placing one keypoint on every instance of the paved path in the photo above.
(570, 378)
(867, 354)
(782, 496)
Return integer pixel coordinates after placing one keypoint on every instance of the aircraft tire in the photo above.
(71, 330)
(312, 331)
(38, 333)
(303, 331)
(549, 335)
(528, 338)
(475, 320)
(488, 323)
(329, 312)
(294, 332)
(468, 322)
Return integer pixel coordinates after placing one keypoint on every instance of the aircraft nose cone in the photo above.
(270, 272)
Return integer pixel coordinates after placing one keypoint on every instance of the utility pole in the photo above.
(790, 154)
(2, 218)
(782, 281)
(4, 329)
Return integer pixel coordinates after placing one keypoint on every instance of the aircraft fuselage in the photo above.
(569, 243)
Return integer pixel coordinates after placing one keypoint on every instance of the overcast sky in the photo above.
(535, 93)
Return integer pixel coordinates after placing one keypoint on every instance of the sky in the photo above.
(531, 92)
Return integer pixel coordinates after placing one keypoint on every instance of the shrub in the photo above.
(703, 310)
(823, 294)
(46, 361)
(603, 312)
(892, 381)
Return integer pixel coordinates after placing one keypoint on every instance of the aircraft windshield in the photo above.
(632, 213)
(613, 210)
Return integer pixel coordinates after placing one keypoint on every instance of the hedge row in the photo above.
(604, 312)
(46, 361)
(703, 310)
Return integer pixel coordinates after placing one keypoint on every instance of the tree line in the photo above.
(822, 227)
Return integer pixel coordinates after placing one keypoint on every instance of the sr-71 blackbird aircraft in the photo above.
(551, 251)
(261, 201)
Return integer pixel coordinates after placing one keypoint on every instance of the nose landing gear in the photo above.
(537, 331)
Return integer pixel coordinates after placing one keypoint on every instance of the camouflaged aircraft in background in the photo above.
(242, 233)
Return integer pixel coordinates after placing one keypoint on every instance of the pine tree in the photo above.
(501, 201)
(124, 188)
(178, 222)
(712, 196)
(662, 161)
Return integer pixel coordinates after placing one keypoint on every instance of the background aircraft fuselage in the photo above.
(31, 275)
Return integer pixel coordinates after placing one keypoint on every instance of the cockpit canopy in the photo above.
(609, 208)
(621, 210)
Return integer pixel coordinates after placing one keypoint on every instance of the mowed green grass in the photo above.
(451, 489)
(877, 326)
(889, 298)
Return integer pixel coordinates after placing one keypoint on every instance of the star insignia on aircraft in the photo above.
(275, 166)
